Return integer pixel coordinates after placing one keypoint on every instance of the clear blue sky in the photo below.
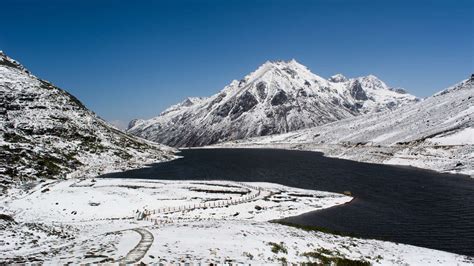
(127, 59)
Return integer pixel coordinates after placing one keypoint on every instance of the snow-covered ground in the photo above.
(127, 221)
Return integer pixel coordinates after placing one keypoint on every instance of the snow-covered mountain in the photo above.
(46, 132)
(436, 133)
(278, 97)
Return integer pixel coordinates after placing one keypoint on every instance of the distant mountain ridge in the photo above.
(45, 132)
(278, 97)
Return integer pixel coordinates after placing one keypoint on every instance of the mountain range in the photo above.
(45, 132)
(436, 133)
(278, 97)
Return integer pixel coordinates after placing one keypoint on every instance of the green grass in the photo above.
(326, 256)
(123, 154)
(6, 217)
(278, 247)
(14, 138)
(90, 143)
(310, 228)
(49, 167)
(338, 261)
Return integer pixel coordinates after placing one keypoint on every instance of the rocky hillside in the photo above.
(46, 132)
(278, 97)
(436, 133)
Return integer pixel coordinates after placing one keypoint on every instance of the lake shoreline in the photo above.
(392, 203)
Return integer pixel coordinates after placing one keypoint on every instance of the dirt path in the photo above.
(139, 251)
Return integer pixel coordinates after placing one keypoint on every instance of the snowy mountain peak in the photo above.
(338, 78)
(133, 122)
(279, 72)
(373, 82)
(281, 62)
(9, 62)
(281, 65)
(189, 101)
(279, 96)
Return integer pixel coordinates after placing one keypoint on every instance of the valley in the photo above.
(246, 185)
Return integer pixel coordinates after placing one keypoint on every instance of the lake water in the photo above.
(400, 204)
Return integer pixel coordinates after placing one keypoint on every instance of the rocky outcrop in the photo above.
(45, 132)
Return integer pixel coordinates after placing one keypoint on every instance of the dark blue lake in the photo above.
(401, 204)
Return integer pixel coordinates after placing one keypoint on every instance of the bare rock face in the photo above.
(357, 92)
(133, 123)
(45, 132)
(278, 97)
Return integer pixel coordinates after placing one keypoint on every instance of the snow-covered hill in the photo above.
(436, 133)
(278, 97)
(46, 132)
